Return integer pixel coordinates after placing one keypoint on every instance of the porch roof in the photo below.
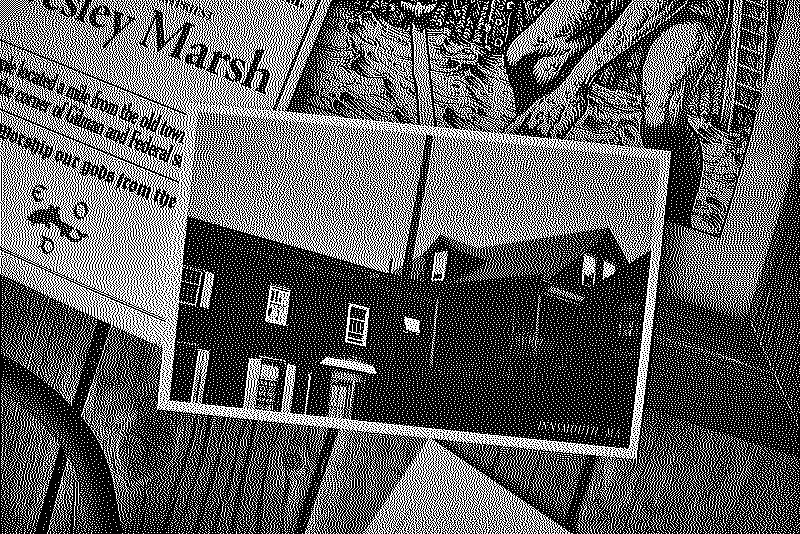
(349, 365)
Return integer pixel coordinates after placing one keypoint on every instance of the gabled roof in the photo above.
(460, 246)
(545, 256)
(200, 235)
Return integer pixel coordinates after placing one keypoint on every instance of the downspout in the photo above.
(538, 322)
(433, 334)
(513, 351)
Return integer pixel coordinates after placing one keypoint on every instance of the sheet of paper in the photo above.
(441, 493)
(94, 137)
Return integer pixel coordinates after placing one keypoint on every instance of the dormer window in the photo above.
(589, 271)
(439, 265)
(412, 325)
(278, 305)
(608, 269)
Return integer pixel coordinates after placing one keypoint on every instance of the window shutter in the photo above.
(200, 369)
(251, 387)
(365, 328)
(308, 395)
(208, 284)
(272, 313)
(288, 388)
(283, 310)
(589, 270)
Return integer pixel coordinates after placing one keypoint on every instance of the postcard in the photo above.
(417, 281)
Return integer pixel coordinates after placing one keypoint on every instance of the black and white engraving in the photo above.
(514, 308)
(684, 76)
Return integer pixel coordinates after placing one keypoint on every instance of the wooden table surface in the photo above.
(178, 472)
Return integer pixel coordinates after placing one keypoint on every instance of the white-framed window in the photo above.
(196, 286)
(412, 325)
(439, 265)
(278, 305)
(608, 269)
(357, 324)
(589, 271)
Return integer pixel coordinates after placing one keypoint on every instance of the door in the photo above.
(341, 398)
(262, 386)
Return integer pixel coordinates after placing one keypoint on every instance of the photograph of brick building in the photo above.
(432, 283)
(295, 331)
(478, 339)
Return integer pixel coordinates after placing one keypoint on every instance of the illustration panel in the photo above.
(418, 281)
(680, 76)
